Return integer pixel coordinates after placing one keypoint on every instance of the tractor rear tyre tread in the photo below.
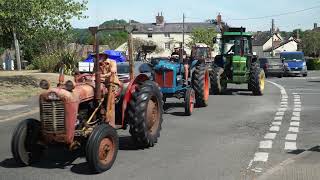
(99, 133)
(254, 81)
(198, 84)
(24, 147)
(137, 111)
(215, 82)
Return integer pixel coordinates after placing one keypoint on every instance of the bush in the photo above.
(313, 64)
(30, 67)
(51, 62)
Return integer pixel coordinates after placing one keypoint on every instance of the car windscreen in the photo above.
(293, 56)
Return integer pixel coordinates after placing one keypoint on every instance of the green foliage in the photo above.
(311, 43)
(313, 64)
(202, 35)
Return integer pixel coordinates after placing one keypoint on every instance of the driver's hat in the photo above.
(176, 46)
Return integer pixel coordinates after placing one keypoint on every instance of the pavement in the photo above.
(238, 136)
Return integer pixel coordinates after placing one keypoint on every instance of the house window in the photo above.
(167, 45)
(167, 35)
(149, 35)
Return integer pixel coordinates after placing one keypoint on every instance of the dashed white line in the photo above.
(295, 118)
(297, 109)
(261, 156)
(279, 113)
(284, 100)
(295, 113)
(297, 106)
(293, 129)
(286, 103)
(284, 106)
(297, 102)
(270, 136)
(277, 123)
(297, 124)
(274, 128)
(278, 118)
(290, 146)
(291, 137)
(265, 144)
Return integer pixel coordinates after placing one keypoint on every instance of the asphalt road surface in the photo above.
(238, 136)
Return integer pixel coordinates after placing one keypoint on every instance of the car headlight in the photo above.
(53, 96)
(304, 64)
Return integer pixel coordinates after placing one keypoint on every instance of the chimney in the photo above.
(219, 19)
(160, 19)
(315, 26)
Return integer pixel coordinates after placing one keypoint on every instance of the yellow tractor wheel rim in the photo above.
(262, 79)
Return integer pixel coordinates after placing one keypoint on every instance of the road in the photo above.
(238, 136)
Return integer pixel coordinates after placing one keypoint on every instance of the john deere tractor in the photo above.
(236, 63)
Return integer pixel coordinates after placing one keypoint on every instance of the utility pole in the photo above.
(272, 35)
(182, 46)
(17, 48)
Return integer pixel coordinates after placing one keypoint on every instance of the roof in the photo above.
(281, 44)
(170, 27)
(261, 38)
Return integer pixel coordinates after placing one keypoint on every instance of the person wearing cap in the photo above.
(109, 70)
(177, 52)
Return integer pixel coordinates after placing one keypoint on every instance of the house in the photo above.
(262, 42)
(288, 45)
(167, 35)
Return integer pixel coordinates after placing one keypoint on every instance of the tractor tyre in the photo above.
(189, 101)
(102, 148)
(200, 84)
(24, 147)
(145, 111)
(217, 86)
(257, 81)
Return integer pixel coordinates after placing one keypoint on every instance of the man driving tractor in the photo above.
(176, 55)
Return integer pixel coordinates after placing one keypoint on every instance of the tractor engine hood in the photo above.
(166, 65)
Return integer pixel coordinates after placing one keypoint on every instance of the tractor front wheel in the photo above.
(189, 102)
(145, 114)
(102, 148)
(257, 81)
(24, 147)
(200, 84)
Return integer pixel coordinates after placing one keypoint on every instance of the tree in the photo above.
(311, 43)
(23, 20)
(202, 35)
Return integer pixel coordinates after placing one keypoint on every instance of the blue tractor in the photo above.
(169, 74)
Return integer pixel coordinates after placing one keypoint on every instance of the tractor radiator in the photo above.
(164, 79)
(52, 116)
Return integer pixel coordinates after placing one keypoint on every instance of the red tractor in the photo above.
(87, 113)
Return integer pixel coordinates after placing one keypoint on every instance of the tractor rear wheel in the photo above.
(102, 148)
(145, 114)
(189, 100)
(200, 84)
(257, 81)
(216, 81)
(24, 147)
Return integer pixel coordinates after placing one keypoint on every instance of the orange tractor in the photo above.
(87, 113)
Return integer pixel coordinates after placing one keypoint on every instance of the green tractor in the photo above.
(236, 63)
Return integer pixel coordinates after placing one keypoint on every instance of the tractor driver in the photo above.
(176, 54)
(109, 71)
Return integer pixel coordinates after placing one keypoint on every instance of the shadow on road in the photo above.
(299, 151)
(234, 92)
(168, 107)
(59, 158)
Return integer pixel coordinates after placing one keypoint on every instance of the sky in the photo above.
(232, 12)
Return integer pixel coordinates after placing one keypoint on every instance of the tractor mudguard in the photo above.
(130, 90)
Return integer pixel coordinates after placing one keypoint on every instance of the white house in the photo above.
(166, 35)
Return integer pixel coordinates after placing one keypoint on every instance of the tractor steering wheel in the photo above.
(83, 77)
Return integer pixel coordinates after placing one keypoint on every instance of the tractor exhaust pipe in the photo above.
(97, 70)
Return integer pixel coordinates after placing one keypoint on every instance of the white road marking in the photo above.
(279, 113)
(274, 128)
(278, 118)
(277, 123)
(261, 156)
(257, 170)
(297, 102)
(295, 119)
(282, 109)
(297, 109)
(291, 137)
(284, 100)
(290, 146)
(295, 113)
(284, 106)
(250, 164)
(270, 136)
(284, 96)
(297, 105)
(265, 144)
(293, 129)
(297, 124)
(286, 103)
(12, 107)
(294, 93)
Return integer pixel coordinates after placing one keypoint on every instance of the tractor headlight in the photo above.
(44, 84)
(69, 85)
(53, 96)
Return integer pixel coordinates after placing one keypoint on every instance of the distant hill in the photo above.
(111, 38)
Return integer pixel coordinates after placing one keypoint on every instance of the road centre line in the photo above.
(290, 146)
(278, 118)
(270, 136)
(291, 137)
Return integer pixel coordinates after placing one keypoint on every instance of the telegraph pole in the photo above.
(272, 34)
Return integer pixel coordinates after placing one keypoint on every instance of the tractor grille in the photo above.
(165, 79)
(52, 116)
